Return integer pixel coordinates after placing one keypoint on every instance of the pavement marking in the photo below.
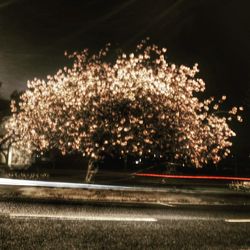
(83, 218)
(238, 220)
(165, 204)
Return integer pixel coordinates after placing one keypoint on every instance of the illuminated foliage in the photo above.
(140, 105)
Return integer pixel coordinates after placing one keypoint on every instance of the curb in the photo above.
(124, 197)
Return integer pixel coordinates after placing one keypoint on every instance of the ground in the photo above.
(180, 227)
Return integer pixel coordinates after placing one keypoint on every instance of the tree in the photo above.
(139, 106)
(6, 139)
(4, 136)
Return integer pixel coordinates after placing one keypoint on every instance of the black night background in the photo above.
(215, 34)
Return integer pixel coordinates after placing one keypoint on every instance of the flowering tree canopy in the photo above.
(139, 105)
(4, 137)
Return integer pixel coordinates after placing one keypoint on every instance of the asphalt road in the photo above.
(59, 226)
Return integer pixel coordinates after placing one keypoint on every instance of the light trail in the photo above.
(50, 184)
(79, 217)
(18, 182)
(194, 177)
(238, 220)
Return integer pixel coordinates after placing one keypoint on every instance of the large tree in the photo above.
(4, 136)
(140, 105)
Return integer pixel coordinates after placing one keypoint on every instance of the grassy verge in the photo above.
(168, 197)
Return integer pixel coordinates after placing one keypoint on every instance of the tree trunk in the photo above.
(5, 157)
(125, 166)
(91, 170)
(9, 156)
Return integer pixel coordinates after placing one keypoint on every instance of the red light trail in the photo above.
(195, 177)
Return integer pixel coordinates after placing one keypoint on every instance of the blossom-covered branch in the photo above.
(140, 105)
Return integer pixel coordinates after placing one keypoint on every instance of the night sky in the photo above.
(34, 35)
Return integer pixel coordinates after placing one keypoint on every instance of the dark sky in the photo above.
(35, 33)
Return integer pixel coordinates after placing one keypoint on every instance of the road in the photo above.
(60, 226)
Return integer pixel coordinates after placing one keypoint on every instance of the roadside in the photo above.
(240, 186)
(123, 177)
(37, 191)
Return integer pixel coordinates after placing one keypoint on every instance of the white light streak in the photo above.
(29, 183)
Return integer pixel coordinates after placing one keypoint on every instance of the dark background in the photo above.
(34, 35)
